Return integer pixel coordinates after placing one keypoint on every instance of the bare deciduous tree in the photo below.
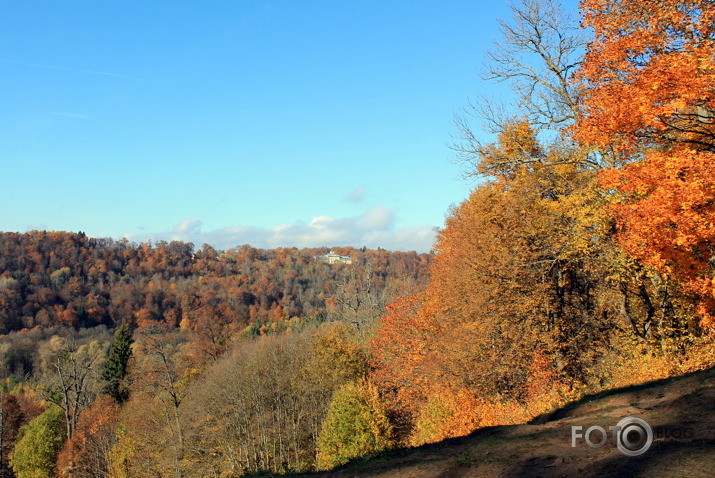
(539, 51)
(72, 376)
(538, 54)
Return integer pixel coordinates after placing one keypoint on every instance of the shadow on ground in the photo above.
(681, 411)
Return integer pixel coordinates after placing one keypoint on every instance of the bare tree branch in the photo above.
(540, 49)
(538, 54)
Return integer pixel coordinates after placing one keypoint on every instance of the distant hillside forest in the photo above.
(69, 279)
(58, 278)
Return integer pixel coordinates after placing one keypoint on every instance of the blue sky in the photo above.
(273, 123)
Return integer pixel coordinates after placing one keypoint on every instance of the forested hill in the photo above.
(69, 279)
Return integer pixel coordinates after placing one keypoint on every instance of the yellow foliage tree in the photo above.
(356, 426)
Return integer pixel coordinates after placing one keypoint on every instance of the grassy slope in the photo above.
(543, 448)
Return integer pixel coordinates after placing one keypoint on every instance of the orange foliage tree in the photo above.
(86, 454)
(517, 282)
(400, 360)
(649, 73)
(649, 105)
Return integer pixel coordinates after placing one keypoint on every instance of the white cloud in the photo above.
(357, 195)
(190, 225)
(377, 218)
(374, 228)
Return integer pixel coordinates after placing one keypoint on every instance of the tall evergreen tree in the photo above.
(115, 369)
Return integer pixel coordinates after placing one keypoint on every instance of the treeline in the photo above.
(68, 279)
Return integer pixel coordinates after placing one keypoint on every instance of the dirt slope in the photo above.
(681, 412)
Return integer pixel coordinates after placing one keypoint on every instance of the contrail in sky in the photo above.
(76, 70)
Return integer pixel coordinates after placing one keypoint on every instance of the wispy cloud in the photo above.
(70, 115)
(75, 70)
(356, 196)
(374, 228)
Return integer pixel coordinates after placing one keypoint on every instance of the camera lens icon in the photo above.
(634, 436)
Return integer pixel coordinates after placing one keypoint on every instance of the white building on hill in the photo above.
(333, 258)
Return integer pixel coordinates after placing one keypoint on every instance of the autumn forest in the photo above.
(582, 260)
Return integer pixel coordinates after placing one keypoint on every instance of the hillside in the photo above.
(678, 406)
(68, 279)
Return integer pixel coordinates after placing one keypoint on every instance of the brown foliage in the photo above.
(17, 409)
(86, 454)
(52, 278)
